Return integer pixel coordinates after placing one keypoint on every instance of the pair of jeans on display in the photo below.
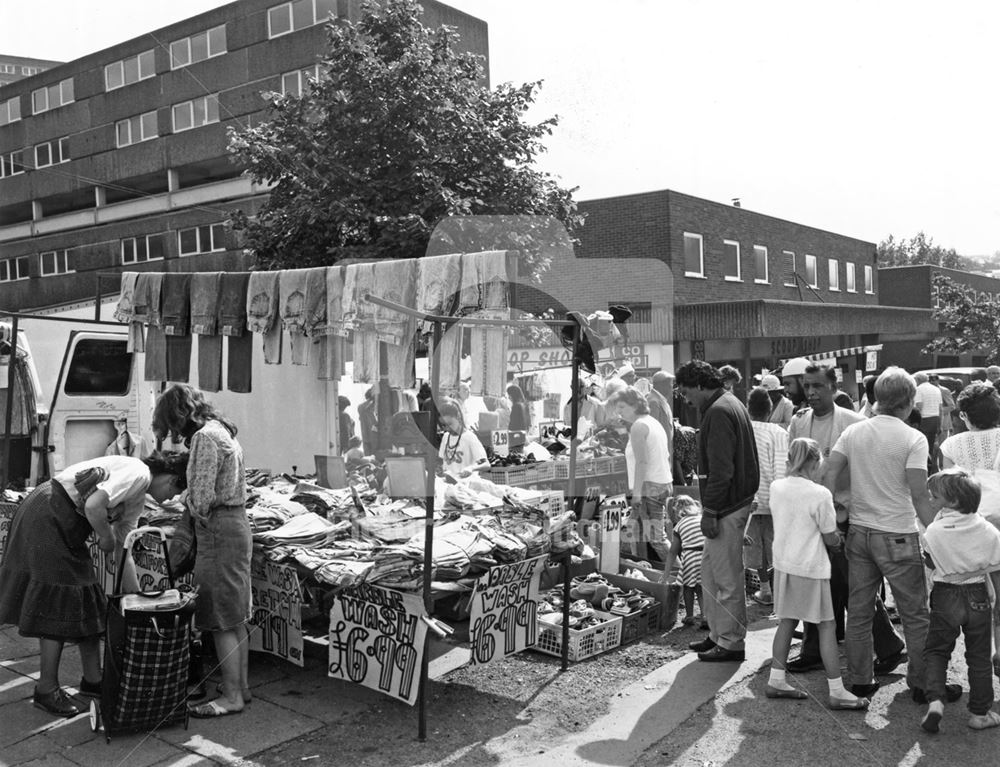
(303, 307)
(439, 280)
(873, 555)
(262, 313)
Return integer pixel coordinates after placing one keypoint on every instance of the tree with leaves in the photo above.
(970, 320)
(397, 133)
(919, 249)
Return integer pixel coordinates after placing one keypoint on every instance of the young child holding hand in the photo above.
(963, 548)
(805, 520)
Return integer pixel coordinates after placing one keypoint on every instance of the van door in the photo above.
(95, 388)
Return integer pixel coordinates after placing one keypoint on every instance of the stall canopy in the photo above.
(850, 351)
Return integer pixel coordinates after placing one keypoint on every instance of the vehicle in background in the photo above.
(965, 375)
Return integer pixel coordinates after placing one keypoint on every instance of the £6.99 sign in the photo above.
(504, 613)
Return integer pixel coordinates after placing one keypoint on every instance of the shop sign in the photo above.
(795, 347)
(504, 610)
(277, 610)
(521, 360)
(377, 640)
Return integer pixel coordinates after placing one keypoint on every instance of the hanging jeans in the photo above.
(239, 366)
(233, 325)
(262, 313)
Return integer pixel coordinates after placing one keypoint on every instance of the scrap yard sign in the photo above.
(377, 639)
(504, 610)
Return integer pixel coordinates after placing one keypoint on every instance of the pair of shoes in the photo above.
(802, 664)
(842, 704)
(247, 695)
(762, 598)
(704, 645)
(933, 716)
(952, 692)
(984, 721)
(211, 710)
(722, 655)
(885, 666)
(777, 692)
(864, 690)
(89, 689)
(57, 703)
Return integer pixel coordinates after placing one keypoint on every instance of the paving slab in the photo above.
(320, 697)
(13, 645)
(27, 750)
(14, 686)
(90, 749)
(21, 721)
(48, 760)
(224, 739)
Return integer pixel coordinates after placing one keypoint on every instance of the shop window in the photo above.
(694, 255)
(54, 262)
(851, 280)
(13, 269)
(118, 74)
(833, 272)
(135, 129)
(204, 45)
(99, 366)
(299, 14)
(731, 261)
(788, 260)
(52, 97)
(10, 111)
(195, 113)
(137, 250)
(294, 83)
(760, 264)
(11, 164)
(812, 278)
(201, 239)
(869, 280)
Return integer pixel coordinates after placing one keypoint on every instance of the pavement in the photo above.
(289, 702)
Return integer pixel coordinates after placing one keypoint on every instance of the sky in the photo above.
(862, 118)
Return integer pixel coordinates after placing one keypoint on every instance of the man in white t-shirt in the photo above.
(824, 422)
(928, 402)
(887, 460)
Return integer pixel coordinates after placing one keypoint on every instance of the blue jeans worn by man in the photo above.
(872, 556)
(961, 609)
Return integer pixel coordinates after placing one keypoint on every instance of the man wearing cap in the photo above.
(627, 373)
(727, 455)
(781, 406)
(791, 377)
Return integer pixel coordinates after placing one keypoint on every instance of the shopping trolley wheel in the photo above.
(95, 716)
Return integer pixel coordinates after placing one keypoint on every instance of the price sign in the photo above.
(871, 362)
(611, 526)
(277, 610)
(504, 611)
(377, 640)
(501, 442)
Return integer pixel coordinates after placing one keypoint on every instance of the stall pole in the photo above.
(9, 409)
(574, 414)
(429, 474)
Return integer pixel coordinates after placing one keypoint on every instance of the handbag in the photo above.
(183, 545)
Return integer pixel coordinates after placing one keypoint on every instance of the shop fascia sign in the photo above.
(522, 360)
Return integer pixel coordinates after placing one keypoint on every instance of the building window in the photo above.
(833, 272)
(52, 152)
(12, 269)
(694, 255)
(760, 264)
(812, 277)
(9, 69)
(135, 129)
(28, 71)
(852, 286)
(294, 83)
(731, 261)
(201, 239)
(52, 97)
(194, 114)
(131, 70)
(136, 250)
(299, 14)
(10, 111)
(204, 45)
(789, 263)
(54, 262)
(11, 164)
(869, 280)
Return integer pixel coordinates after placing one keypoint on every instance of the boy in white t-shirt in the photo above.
(963, 548)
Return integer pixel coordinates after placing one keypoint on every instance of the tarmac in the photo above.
(289, 702)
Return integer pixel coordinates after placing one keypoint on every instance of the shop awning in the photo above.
(850, 351)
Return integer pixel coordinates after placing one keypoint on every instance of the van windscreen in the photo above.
(99, 366)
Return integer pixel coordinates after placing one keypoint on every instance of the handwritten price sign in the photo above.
(504, 612)
(277, 610)
(377, 640)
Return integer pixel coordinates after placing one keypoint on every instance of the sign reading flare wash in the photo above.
(504, 610)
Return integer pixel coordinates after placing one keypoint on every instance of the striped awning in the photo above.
(850, 351)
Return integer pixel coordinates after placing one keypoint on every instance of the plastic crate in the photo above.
(637, 624)
(544, 471)
(584, 643)
(509, 475)
(560, 470)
